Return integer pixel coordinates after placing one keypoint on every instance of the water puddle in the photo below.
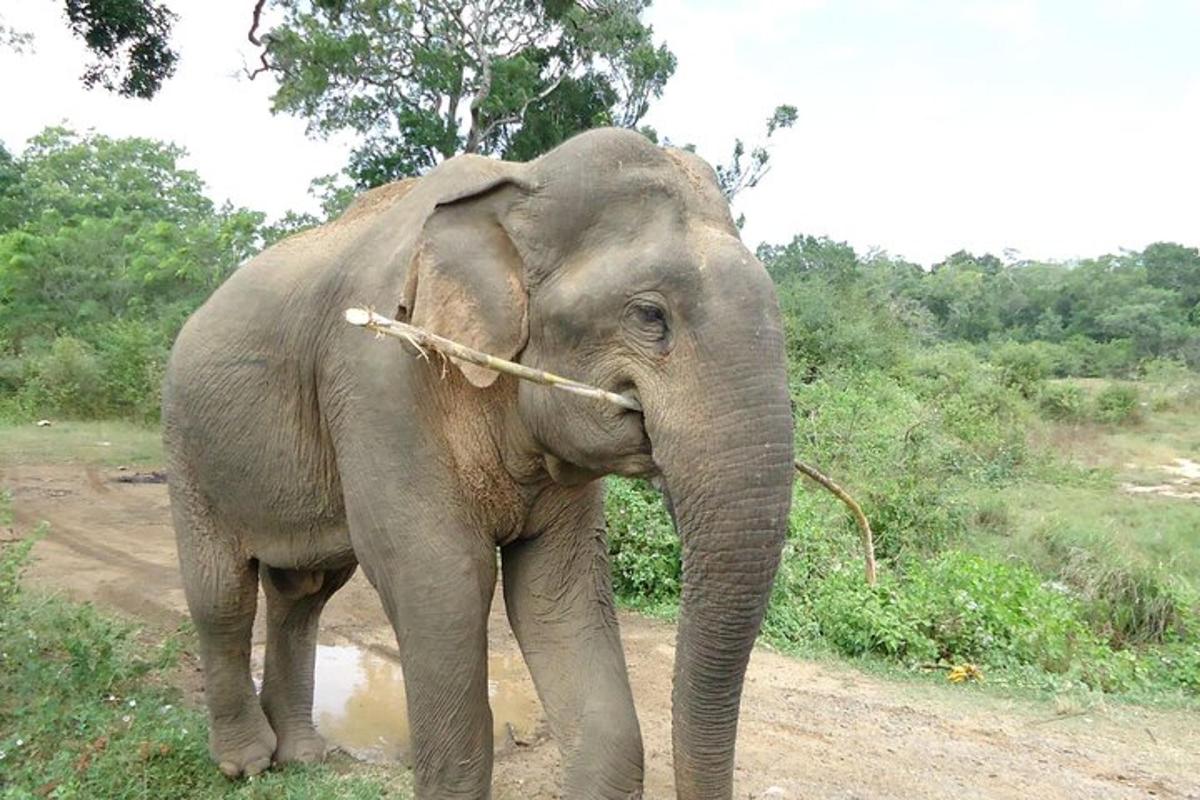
(359, 702)
(1184, 485)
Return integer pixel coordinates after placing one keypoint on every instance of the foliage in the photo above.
(1062, 401)
(109, 245)
(420, 81)
(740, 174)
(1118, 404)
(14, 39)
(130, 40)
(643, 547)
(86, 712)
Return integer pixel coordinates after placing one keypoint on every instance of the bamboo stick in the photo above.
(421, 339)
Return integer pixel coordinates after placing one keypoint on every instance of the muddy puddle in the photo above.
(1183, 484)
(359, 702)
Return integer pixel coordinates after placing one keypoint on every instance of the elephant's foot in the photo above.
(243, 749)
(301, 745)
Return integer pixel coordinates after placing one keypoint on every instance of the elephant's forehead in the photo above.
(709, 244)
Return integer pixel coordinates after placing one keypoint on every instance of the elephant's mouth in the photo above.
(639, 462)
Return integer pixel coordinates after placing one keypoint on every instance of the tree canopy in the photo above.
(95, 230)
(418, 82)
(130, 40)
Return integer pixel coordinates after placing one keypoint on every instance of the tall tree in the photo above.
(130, 40)
(101, 229)
(421, 80)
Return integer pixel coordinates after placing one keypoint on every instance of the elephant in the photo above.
(299, 448)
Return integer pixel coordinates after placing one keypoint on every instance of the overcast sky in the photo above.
(1057, 129)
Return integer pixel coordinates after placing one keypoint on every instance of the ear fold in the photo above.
(466, 281)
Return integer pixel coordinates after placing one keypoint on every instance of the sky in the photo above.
(1044, 129)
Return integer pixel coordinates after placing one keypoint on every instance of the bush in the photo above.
(1022, 366)
(1064, 402)
(68, 380)
(642, 544)
(134, 355)
(1118, 404)
(962, 608)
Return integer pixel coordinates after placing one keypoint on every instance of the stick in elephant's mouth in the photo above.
(421, 339)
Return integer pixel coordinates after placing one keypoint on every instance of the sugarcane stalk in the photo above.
(422, 339)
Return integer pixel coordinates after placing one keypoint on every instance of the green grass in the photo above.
(1150, 533)
(102, 443)
(87, 711)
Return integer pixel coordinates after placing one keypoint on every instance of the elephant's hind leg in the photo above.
(221, 584)
(294, 602)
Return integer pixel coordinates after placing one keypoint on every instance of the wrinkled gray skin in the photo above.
(300, 446)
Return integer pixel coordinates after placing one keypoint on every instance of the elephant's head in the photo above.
(615, 262)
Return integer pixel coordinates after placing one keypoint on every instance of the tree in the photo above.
(130, 40)
(104, 229)
(742, 172)
(12, 38)
(1173, 266)
(422, 80)
(11, 203)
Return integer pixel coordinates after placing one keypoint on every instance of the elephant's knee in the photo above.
(607, 761)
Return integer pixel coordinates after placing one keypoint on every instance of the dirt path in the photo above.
(807, 729)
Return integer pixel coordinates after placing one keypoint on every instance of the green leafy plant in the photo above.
(643, 546)
(1118, 404)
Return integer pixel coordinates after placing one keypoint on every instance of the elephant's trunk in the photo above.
(729, 482)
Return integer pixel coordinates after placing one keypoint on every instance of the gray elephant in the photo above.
(299, 448)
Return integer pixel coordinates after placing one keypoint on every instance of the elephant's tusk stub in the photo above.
(421, 339)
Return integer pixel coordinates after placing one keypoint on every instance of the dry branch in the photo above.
(868, 539)
(421, 339)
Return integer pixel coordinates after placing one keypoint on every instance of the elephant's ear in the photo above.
(466, 281)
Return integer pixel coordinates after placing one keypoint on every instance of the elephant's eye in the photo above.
(651, 315)
(649, 319)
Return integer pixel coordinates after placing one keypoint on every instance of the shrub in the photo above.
(1064, 402)
(67, 380)
(133, 354)
(642, 544)
(1118, 404)
(1022, 366)
(964, 608)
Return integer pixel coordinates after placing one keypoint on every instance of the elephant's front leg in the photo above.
(436, 578)
(558, 592)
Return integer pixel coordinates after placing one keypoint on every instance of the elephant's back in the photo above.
(241, 407)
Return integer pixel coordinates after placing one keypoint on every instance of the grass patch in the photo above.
(102, 443)
(1046, 523)
(86, 711)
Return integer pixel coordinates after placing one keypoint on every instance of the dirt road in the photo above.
(810, 730)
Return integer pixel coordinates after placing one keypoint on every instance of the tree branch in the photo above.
(517, 116)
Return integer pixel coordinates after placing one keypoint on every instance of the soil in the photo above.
(1183, 484)
(808, 729)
